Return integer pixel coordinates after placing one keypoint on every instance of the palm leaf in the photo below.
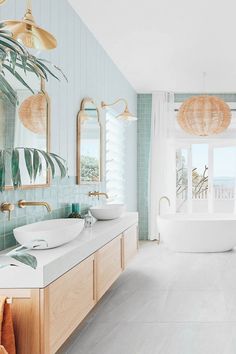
(13, 56)
(33, 161)
(20, 254)
(61, 166)
(36, 163)
(2, 170)
(8, 91)
(54, 66)
(45, 68)
(17, 46)
(15, 167)
(18, 77)
(18, 179)
(26, 258)
(49, 162)
(8, 45)
(3, 49)
(24, 62)
(29, 163)
(40, 167)
(29, 68)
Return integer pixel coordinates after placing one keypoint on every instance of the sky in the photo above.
(224, 160)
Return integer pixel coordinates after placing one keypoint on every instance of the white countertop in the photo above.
(55, 262)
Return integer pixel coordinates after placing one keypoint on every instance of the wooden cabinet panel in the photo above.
(25, 310)
(130, 244)
(66, 303)
(108, 265)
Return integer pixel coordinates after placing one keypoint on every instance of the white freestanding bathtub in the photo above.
(198, 232)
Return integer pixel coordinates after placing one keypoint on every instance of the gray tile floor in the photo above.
(165, 303)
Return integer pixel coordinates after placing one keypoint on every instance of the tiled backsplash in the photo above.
(61, 194)
(144, 133)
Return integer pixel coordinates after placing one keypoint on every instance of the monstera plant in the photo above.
(16, 60)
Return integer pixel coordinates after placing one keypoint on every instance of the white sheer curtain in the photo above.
(115, 158)
(162, 159)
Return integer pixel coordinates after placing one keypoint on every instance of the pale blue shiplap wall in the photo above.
(90, 73)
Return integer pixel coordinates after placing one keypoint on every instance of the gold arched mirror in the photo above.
(25, 126)
(89, 143)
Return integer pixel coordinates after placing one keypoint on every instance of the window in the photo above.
(224, 173)
(115, 158)
(205, 178)
(205, 166)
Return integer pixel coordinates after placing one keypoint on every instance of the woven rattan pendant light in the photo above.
(204, 115)
(33, 113)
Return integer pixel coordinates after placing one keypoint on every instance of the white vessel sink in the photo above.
(49, 233)
(107, 211)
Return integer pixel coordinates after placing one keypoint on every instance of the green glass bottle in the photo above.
(75, 211)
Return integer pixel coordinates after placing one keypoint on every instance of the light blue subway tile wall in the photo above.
(60, 195)
(91, 73)
(144, 132)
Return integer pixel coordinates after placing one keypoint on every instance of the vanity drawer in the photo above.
(130, 244)
(66, 303)
(108, 265)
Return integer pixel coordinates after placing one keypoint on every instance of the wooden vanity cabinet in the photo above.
(45, 318)
(65, 303)
(108, 265)
(130, 244)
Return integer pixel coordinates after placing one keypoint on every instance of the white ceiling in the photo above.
(167, 44)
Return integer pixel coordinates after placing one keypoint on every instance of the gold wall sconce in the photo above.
(29, 33)
(126, 115)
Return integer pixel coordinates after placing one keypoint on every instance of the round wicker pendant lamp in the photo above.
(33, 113)
(204, 115)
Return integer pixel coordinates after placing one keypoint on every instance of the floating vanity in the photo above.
(50, 302)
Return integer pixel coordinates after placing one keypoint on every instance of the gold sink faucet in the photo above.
(7, 208)
(23, 204)
(97, 194)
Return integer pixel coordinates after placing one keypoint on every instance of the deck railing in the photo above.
(219, 193)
